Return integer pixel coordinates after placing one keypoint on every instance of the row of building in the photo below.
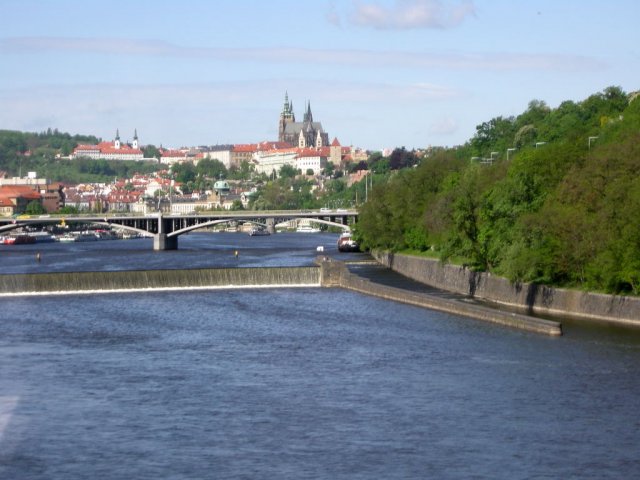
(140, 194)
(302, 145)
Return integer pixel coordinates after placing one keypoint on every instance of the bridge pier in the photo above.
(271, 225)
(163, 242)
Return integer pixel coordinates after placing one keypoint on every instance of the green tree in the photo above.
(34, 207)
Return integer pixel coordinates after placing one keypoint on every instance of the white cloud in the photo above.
(294, 55)
(410, 14)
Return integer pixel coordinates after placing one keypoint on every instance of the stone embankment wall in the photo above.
(526, 297)
(336, 274)
(44, 283)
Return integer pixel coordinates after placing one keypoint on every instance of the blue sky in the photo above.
(378, 73)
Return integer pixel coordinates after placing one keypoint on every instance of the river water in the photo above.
(295, 383)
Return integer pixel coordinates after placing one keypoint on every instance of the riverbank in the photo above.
(336, 274)
(526, 298)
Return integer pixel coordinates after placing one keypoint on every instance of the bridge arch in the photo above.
(344, 227)
(211, 223)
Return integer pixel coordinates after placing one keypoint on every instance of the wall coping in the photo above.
(529, 298)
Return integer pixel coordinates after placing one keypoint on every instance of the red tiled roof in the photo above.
(273, 145)
(108, 147)
(245, 148)
(309, 152)
(174, 154)
(15, 191)
(335, 142)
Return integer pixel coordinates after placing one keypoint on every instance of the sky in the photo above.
(377, 73)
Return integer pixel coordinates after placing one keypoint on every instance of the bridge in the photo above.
(165, 229)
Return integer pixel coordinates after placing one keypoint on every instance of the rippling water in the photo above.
(300, 383)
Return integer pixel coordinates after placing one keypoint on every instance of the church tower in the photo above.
(116, 144)
(308, 116)
(135, 139)
(286, 116)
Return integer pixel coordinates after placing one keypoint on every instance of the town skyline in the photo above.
(378, 75)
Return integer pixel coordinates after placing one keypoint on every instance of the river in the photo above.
(303, 383)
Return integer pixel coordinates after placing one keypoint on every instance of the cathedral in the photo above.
(305, 134)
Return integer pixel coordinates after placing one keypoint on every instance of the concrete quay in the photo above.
(527, 298)
(336, 274)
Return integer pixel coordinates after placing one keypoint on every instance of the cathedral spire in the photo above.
(286, 108)
(308, 116)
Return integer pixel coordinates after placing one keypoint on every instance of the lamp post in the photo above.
(509, 150)
(591, 138)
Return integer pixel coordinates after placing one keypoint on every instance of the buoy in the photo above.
(38, 258)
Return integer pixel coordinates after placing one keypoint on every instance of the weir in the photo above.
(40, 283)
(328, 273)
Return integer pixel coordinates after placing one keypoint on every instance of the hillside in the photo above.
(21, 152)
(562, 209)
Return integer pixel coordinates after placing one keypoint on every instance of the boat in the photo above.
(346, 243)
(307, 229)
(258, 232)
(67, 238)
(17, 240)
(42, 237)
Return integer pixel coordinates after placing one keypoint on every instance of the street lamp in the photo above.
(508, 151)
(591, 138)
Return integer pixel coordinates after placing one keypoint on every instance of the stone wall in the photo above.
(336, 274)
(526, 297)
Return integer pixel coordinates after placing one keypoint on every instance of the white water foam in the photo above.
(156, 289)
(7, 406)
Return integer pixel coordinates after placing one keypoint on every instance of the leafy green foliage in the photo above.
(562, 210)
(40, 152)
(34, 207)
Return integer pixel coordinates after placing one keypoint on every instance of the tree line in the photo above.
(562, 210)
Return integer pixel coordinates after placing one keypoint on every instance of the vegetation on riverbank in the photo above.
(562, 210)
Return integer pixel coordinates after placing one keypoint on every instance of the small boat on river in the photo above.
(307, 229)
(346, 243)
(21, 239)
(258, 232)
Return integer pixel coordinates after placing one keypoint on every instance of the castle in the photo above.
(305, 134)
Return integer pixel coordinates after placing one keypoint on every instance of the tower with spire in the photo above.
(303, 134)
(117, 143)
(135, 139)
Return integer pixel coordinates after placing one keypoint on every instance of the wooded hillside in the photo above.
(564, 209)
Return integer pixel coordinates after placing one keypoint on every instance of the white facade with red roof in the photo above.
(267, 161)
(115, 150)
(169, 157)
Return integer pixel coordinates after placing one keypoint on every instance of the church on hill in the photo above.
(305, 134)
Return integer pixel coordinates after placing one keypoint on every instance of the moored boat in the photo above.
(346, 243)
(307, 229)
(21, 239)
(258, 232)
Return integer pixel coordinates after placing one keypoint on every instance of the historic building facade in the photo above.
(115, 150)
(305, 134)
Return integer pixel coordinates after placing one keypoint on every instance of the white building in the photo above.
(268, 161)
(311, 159)
(115, 150)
